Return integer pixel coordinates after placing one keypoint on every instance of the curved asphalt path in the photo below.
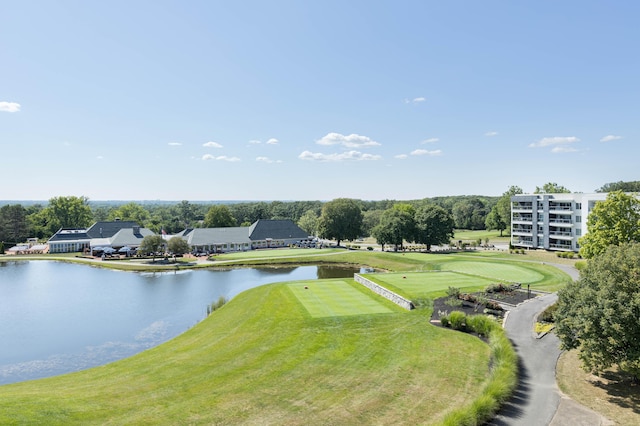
(537, 400)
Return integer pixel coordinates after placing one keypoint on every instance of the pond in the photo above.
(58, 317)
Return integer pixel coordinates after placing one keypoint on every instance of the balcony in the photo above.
(561, 234)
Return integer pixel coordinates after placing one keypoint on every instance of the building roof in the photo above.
(205, 236)
(276, 229)
(131, 237)
(109, 229)
(69, 235)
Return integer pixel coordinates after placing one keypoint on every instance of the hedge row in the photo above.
(503, 377)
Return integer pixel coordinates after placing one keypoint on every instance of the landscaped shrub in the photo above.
(548, 315)
(370, 248)
(501, 384)
(453, 292)
(480, 324)
(457, 320)
(444, 320)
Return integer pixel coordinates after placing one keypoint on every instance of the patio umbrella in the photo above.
(108, 250)
(125, 249)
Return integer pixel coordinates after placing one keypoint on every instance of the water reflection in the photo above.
(59, 317)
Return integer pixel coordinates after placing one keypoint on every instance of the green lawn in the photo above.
(264, 359)
(329, 298)
(428, 284)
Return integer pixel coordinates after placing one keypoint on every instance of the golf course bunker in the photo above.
(335, 298)
(496, 270)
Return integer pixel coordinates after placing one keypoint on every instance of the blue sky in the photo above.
(301, 100)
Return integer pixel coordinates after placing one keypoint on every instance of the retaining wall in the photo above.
(388, 294)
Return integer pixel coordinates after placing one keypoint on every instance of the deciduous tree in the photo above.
(600, 313)
(152, 244)
(434, 225)
(551, 188)
(219, 216)
(67, 212)
(611, 222)
(177, 245)
(341, 219)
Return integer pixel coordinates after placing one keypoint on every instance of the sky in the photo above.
(315, 100)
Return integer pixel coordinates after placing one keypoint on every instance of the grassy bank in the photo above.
(262, 358)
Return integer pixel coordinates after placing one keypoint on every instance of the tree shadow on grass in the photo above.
(623, 391)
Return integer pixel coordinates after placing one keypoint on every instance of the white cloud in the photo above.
(343, 156)
(9, 106)
(212, 144)
(610, 138)
(415, 100)
(273, 141)
(401, 156)
(556, 140)
(175, 144)
(434, 153)
(349, 141)
(267, 160)
(430, 140)
(563, 149)
(219, 158)
(99, 157)
(491, 133)
(254, 142)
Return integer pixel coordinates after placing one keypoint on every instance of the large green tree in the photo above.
(14, 227)
(219, 216)
(631, 186)
(341, 219)
(177, 245)
(309, 222)
(470, 213)
(551, 188)
(67, 212)
(600, 313)
(613, 221)
(397, 225)
(434, 226)
(499, 217)
(131, 212)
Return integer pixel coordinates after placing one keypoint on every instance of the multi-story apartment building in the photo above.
(551, 221)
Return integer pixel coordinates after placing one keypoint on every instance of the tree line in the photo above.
(18, 222)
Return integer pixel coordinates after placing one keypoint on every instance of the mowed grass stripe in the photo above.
(496, 270)
(335, 298)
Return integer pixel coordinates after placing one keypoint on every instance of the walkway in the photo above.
(537, 400)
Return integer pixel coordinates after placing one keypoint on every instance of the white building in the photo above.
(551, 221)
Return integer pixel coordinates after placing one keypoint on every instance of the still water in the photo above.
(60, 317)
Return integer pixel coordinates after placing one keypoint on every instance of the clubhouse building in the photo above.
(551, 221)
(119, 234)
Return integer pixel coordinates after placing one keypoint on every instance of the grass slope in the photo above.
(263, 359)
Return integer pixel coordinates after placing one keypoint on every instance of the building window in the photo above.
(578, 219)
(578, 206)
(578, 232)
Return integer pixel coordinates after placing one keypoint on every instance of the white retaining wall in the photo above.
(377, 288)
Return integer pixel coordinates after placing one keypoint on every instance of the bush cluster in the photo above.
(502, 381)
(567, 255)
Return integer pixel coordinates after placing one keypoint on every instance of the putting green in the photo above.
(423, 284)
(335, 298)
(496, 271)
